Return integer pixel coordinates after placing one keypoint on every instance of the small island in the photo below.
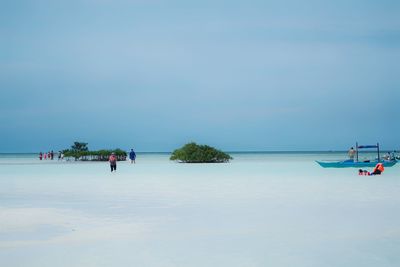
(80, 151)
(194, 153)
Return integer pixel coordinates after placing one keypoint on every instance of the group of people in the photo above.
(379, 168)
(113, 160)
(50, 155)
(390, 156)
(376, 171)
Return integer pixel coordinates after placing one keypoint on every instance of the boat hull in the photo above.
(352, 164)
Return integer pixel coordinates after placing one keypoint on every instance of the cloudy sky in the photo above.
(239, 75)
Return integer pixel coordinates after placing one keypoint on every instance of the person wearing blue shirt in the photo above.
(132, 156)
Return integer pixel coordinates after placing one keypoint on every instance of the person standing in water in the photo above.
(40, 155)
(113, 162)
(351, 153)
(132, 156)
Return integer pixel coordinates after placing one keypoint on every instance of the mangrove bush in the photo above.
(194, 153)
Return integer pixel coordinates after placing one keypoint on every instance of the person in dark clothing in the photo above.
(132, 156)
(113, 162)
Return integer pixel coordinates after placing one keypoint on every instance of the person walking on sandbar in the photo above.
(113, 162)
(132, 156)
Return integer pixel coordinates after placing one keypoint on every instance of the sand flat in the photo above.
(258, 210)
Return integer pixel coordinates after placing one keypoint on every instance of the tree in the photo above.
(79, 146)
(193, 153)
(80, 151)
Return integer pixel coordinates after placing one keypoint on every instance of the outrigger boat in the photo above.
(350, 163)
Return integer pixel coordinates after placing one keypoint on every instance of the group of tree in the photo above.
(189, 153)
(80, 151)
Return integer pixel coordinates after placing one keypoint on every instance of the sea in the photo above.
(261, 209)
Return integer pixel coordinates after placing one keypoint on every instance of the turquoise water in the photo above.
(262, 209)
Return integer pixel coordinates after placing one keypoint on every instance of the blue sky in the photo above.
(239, 75)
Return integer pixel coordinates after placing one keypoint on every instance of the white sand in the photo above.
(256, 211)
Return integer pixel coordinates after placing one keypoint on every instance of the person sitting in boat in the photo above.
(387, 156)
(351, 153)
(378, 169)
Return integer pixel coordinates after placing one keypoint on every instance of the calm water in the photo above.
(262, 209)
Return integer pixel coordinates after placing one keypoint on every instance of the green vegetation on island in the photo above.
(80, 151)
(194, 153)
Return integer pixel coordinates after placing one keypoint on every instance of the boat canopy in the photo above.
(368, 146)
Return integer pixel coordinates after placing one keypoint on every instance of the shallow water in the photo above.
(273, 209)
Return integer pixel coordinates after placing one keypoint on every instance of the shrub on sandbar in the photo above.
(194, 153)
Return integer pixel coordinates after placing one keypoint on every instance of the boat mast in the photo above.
(357, 151)
(377, 145)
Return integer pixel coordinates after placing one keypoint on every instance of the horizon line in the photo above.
(233, 151)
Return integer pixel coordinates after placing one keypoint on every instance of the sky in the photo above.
(237, 75)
